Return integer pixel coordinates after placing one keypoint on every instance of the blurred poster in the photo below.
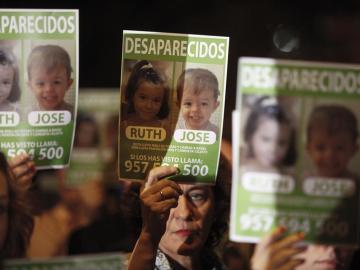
(172, 104)
(96, 135)
(84, 262)
(39, 84)
(295, 143)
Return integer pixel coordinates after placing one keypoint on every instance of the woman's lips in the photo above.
(184, 233)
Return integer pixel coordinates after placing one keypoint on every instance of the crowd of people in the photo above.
(182, 226)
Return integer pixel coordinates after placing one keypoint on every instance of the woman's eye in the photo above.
(197, 197)
(57, 82)
(204, 104)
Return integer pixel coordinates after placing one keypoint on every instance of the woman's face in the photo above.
(4, 202)
(189, 223)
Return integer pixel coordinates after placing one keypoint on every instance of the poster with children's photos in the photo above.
(96, 137)
(38, 75)
(172, 104)
(295, 143)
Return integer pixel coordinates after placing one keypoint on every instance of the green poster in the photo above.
(95, 142)
(295, 143)
(84, 262)
(172, 104)
(39, 74)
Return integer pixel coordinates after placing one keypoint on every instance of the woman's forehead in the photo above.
(189, 187)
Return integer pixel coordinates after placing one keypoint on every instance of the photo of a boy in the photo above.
(332, 134)
(49, 77)
(197, 96)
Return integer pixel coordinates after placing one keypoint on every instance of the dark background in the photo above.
(318, 30)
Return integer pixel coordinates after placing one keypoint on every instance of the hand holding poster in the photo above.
(39, 67)
(172, 103)
(296, 142)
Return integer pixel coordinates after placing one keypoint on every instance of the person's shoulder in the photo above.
(161, 261)
(211, 260)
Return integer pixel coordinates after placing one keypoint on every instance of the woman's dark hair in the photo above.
(7, 58)
(144, 72)
(231, 251)
(221, 190)
(266, 108)
(20, 220)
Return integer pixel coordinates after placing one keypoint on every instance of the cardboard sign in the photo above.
(295, 143)
(39, 66)
(96, 135)
(172, 104)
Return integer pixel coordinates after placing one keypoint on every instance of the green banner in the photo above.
(95, 136)
(296, 128)
(172, 103)
(39, 53)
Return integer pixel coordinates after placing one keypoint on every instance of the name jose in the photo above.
(180, 135)
(49, 118)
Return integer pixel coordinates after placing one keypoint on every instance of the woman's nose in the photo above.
(329, 250)
(183, 209)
